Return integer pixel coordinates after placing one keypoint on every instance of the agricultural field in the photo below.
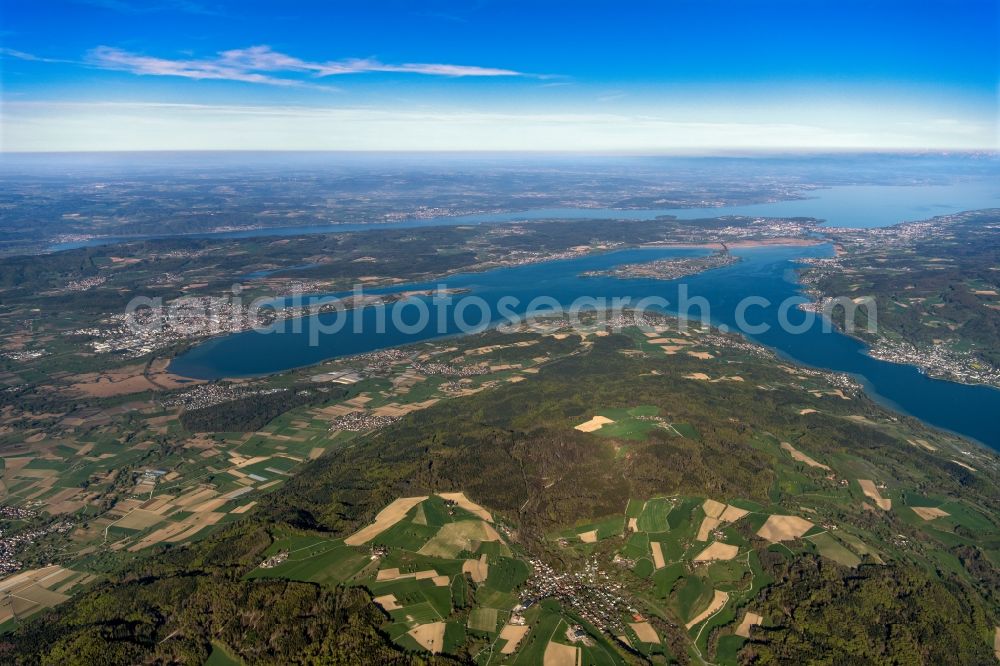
(438, 566)
(123, 474)
(696, 563)
(475, 518)
(450, 579)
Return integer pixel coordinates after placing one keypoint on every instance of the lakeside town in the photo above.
(937, 361)
(144, 330)
(906, 277)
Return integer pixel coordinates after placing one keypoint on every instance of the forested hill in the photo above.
(902, 589)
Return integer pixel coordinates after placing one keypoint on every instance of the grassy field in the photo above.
(654, 515)
(329, 563)
(221, 656)
(483, 619)
(632, 423)
(828, 546)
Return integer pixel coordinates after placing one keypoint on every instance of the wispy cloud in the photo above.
(30, 57)
(262, 64)
(106, 57)
(150, 6)
(612, 96)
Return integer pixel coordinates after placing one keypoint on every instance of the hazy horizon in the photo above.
(445, 76)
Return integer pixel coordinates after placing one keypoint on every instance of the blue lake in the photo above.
(843, 206)
(764, 272)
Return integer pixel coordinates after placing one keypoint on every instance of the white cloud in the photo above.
(262, 64)
(30, 57)
(106, 57)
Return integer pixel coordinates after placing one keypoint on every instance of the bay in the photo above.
(764, 272)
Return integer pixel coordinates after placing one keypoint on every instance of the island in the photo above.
(669, 269)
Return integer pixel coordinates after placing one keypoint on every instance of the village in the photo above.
(591, 593)
(937, 361)
(14, 543)
(208, 395)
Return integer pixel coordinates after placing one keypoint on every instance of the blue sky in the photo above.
(674, 75)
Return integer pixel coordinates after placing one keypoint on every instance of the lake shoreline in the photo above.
(765, 270)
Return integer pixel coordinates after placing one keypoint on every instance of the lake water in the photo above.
(855, 206)
(843, 206)
(766, 272)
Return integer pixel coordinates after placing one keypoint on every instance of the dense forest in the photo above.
(876, 614)
(506, 445)
(169, 609)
